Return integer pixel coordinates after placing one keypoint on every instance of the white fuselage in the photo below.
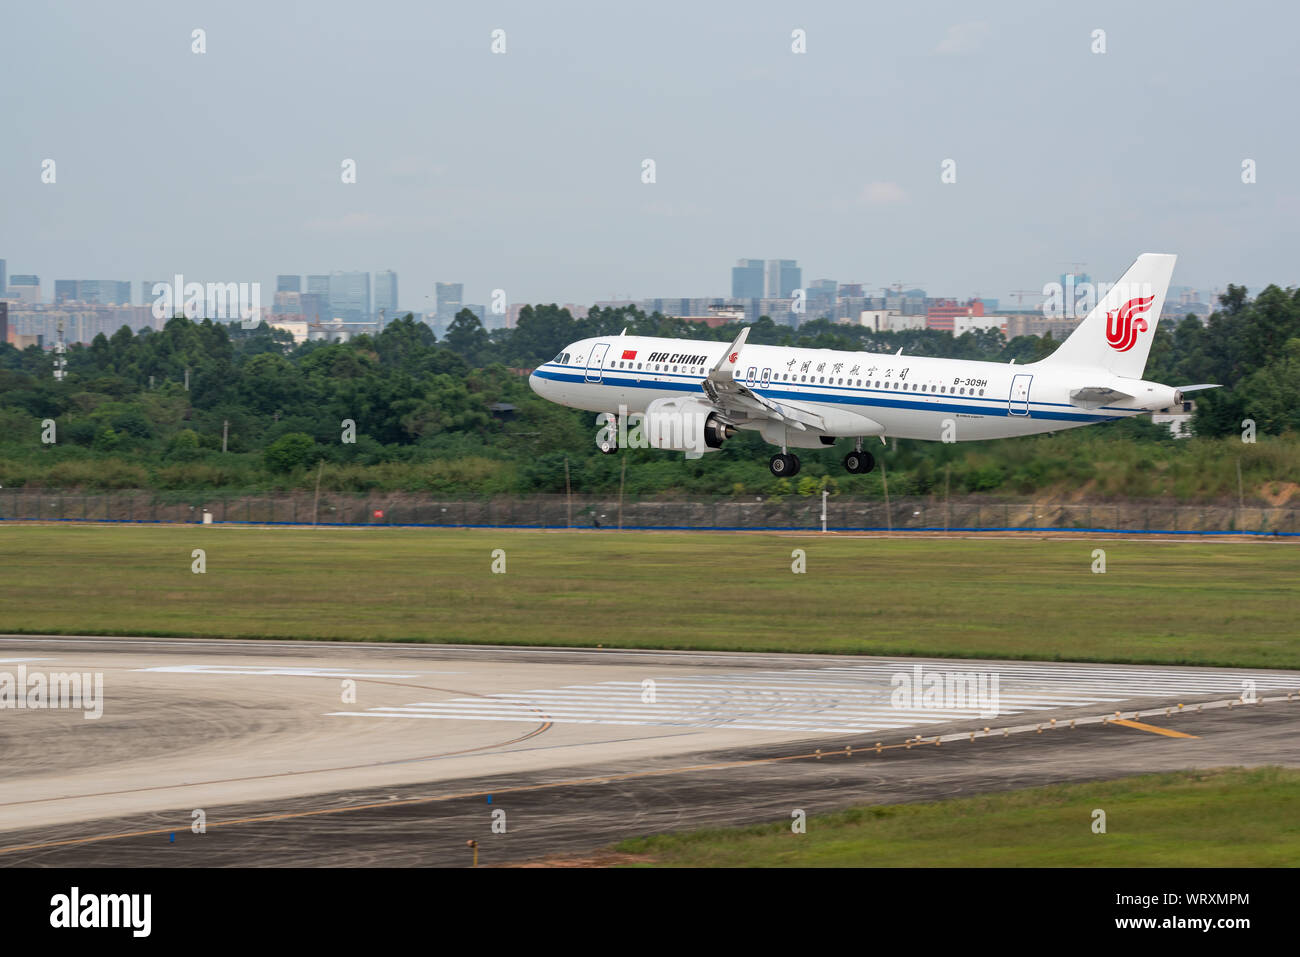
(910, 397)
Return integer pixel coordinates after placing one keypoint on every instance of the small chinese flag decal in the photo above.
(629, 353)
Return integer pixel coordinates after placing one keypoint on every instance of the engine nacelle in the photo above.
(684, 425)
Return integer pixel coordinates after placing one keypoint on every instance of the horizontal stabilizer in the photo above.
(1184, 389)
(1094, 397)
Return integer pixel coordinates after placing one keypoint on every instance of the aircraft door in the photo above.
(596, 360)
(767, 377)
(1018, 401)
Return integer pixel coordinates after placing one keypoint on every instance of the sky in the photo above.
(523, 170)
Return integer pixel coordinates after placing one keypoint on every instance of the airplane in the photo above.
(691, 396)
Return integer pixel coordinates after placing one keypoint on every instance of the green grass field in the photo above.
(1189, 603)
(1223, 818)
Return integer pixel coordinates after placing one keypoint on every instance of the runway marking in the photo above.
(1153, 729)
(492, 652)
(837, 699)
(860, 751)
(287, 672)
(542, 728)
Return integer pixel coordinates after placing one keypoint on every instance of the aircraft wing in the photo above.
(735, 397)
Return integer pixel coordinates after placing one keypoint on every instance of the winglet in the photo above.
(726, 366)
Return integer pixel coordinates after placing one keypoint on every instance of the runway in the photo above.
(348, 753)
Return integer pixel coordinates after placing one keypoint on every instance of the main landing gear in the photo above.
(784, 465)
(859, 462)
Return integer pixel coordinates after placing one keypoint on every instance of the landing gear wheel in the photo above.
(859, 463)
(783, 465)
(795, 470)
(606, 446)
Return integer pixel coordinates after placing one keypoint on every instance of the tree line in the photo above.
(208, 403)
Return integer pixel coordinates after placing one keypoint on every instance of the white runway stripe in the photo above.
(838, 699)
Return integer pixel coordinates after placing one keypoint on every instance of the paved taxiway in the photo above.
(571, 744)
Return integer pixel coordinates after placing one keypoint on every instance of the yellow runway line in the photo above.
(1153, 729)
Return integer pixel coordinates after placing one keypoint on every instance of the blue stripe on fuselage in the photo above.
(996, 408)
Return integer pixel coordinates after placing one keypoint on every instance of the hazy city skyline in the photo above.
(523, 170)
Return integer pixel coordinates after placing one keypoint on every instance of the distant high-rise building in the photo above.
(288, 283)
(314, 306)
(783, 277)
(99, 292)
(287, 303)
(4, 315)
(448, 300)
(25, 287)
(780, 311)
(350, 296)
(747, 279)
(386, 293)
(146, 290)
(3, 283)
(820, 301)
(449, 294)
(320, 286)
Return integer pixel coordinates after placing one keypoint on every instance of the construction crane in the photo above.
(1020, 296)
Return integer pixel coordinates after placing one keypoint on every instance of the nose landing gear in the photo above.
(607, 439)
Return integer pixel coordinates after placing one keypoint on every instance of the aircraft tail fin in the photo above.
(1116, 336)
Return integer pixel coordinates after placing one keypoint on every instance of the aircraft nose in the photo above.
(535, 382)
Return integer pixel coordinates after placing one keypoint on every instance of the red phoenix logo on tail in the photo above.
(1124, 324)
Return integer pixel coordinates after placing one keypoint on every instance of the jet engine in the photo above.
(684, 425)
